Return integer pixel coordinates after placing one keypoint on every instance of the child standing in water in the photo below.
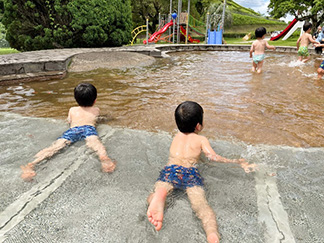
(320, 70)
(303, 42)
(257, 49)
(82, 121)
(181, 172)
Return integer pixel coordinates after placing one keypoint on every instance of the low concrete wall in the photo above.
(53, 64)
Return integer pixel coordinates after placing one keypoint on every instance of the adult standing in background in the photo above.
(316, 34)
(320, 39)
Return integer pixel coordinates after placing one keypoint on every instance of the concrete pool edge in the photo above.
(53, 64)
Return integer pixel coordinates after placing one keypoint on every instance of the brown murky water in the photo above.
(282, 106)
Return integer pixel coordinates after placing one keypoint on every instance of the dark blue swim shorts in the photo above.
(181, 177)
(75, 134)
(322, 65)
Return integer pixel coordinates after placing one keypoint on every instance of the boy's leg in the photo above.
(320, 72)
(204, 212)
(156, 203)
(93, 142)
(28, 170)
(259, 68)
(254, 66)
(306, 59)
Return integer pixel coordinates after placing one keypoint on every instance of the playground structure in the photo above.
(289, 30)
(183, 20)
(137, 31)
(214, 37)
(182, 24)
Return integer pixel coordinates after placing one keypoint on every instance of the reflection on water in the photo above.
(283, 106)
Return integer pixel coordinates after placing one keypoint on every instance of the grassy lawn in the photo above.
(239, 41)
(4, 51)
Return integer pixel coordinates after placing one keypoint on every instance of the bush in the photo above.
(239, 19)
(3, 42)
(35, 25)
(236, 35)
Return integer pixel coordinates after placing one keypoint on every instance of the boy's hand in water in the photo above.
(246, 166)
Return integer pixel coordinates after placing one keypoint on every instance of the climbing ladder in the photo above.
(137, 31)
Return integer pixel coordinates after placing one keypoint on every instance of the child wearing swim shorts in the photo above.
(320, 70)
(258, 48)
(82, 121)
(303, 42)
(181, 172)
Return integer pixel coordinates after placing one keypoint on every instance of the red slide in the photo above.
(183, 31)
(285, 31)
(159, 32)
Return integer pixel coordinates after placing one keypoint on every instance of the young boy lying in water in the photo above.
(82, 121)
(181, 172)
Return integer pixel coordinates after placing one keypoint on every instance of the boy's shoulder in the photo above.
(259, 41)
(306, 35)
(73, 108)
(89, 108)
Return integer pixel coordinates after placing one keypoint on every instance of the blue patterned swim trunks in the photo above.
(258, 58)
(322, 65)
(181, 177)
(75, 134)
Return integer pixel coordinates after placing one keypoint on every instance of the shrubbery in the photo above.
(47, 24)
(239, 19)
(3, 42)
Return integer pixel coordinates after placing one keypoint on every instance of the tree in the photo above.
(46, 24)
(1, 7)
(302, 10)
(216, 10)
(143, 9)
(150, 9)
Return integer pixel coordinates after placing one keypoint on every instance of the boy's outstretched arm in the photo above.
(312, 40)
(270, 46)
(210, 154)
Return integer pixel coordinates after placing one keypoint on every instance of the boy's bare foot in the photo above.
(27, 173)
(108, 166)
(156, 207)
(213, 238)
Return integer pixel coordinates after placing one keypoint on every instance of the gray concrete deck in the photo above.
(71, 200)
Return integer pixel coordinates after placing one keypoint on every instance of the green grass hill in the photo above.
(246, 20)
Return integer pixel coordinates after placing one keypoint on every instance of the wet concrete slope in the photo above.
(71, 200)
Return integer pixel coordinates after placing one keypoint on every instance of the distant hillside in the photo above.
(247, 20)
(235, 7)
(247, 16)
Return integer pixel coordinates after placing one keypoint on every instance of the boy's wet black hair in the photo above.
(307, 26)
(85, 94)
(187, 115)
(259, 32)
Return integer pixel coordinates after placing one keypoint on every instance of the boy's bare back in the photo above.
(185, 149)
(305, 39)
(81, 115)
(259, 46)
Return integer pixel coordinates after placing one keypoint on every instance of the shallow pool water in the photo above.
(246, 115)
(282, 106)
